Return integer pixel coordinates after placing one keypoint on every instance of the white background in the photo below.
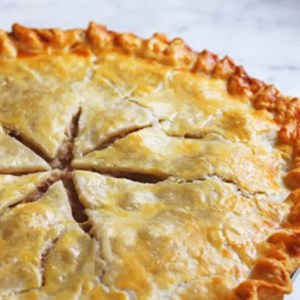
(262, 35)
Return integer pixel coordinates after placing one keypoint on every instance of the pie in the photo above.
(139, 169)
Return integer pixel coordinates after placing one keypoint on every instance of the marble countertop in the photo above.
(262, 35)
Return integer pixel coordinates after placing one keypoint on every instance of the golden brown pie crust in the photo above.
(270, 278)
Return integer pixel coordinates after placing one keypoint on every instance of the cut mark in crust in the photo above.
(39, 191)
(44, 256)
(155, 178)
(76, 206)
(137, 177)
(128, 174)
(12, 132)
(115, 137)
(64, 156)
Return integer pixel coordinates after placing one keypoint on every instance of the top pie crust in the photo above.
(85, 114)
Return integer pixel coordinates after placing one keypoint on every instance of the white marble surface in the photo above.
(262, 35)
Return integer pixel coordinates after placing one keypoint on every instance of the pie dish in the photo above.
(139, 169)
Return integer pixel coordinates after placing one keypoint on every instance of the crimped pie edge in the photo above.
(270, 278)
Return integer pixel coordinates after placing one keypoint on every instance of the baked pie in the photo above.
(139, 169)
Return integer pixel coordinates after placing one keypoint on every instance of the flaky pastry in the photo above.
(140, 169)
